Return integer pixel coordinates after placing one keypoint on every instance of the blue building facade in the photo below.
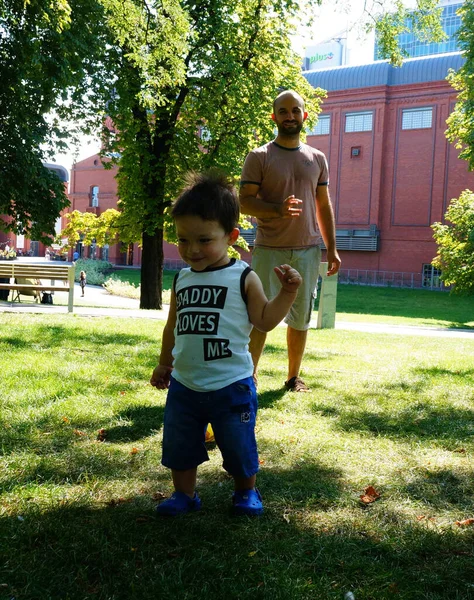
(414, 48)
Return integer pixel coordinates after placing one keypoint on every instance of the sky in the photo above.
(333, 20)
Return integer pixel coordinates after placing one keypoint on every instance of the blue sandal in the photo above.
(247, 502)
(179, 504)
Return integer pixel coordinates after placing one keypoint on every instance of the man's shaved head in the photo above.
(288, 94)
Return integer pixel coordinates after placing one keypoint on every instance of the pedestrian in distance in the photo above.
(83, 281)
(284, 185)
(204, 360)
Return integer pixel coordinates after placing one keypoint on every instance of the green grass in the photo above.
(76, 514)
(397, 306)
(393, 306)
(133, 276)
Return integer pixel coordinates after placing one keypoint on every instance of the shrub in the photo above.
(121, 288)
(96, 270)
(127, 290)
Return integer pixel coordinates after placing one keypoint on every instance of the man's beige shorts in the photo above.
(306, 262)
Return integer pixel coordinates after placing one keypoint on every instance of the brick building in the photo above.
(93, 189)
(392, 171)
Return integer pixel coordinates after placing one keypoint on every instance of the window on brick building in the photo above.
(360, 121)
(431, 277)
(322, 127)
(95, 195)
(204, 134)
(417, 118)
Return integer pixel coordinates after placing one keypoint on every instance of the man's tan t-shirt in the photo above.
(281, 172)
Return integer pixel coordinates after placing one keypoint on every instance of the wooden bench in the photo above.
(47, 274)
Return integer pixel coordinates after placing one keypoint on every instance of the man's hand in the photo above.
(291, 207)
(161, 377)
(289, 278)
(334, 262)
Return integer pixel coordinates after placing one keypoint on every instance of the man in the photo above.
(284, 184)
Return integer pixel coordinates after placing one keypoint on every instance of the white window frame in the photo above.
(95, 196)
(417, 118)
(431, 277)
(205, 134)
(359, 121)
(322, 127)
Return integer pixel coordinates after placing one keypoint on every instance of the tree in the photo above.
(161, 70)
(390, 20)
(460, 122)
(45, 50)
(455, 242)
(90, 229)
(181, 68)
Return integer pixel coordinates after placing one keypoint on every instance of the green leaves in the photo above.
(460, 122)
(456, 244)
(88, 228)
(45, 54)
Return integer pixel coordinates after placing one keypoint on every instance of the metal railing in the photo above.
(397, 279)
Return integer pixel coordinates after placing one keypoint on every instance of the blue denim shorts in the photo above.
(231, 411)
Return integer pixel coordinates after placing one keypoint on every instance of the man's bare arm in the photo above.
(254, 206)
(327, 226)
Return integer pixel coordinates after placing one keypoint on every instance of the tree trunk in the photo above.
(152, 271)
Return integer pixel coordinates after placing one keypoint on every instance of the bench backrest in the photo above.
(14, 271)
(35, 271)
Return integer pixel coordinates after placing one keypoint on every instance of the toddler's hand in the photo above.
(161, 377)
(289, 278)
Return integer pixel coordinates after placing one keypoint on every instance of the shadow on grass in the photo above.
(76, 465)
(461, 374)
(47, 435)
(121, 550)
(446, 426)
(144, 421)
(441, 488)
(59, 336)
(269, 398)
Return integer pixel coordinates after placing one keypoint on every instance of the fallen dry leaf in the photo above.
(370, 495)
(101, 435)
(158, 496)
(66, 420)
(117, 501)
(465, 523)
(134, 451)
(253, 553)
(79, 433)
(460, 450)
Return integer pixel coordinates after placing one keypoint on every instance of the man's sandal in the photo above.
(295, 384)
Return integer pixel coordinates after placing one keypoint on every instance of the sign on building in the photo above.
(324, 56)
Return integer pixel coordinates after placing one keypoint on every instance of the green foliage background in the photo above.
(456, 245)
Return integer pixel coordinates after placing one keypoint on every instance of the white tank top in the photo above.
(212, 327)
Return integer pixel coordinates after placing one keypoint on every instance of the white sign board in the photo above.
(324, 56)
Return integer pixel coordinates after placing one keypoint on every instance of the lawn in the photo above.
(397, 306)
(394, 306)
(80, 471)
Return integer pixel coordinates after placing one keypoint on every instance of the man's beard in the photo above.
(289, 131)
